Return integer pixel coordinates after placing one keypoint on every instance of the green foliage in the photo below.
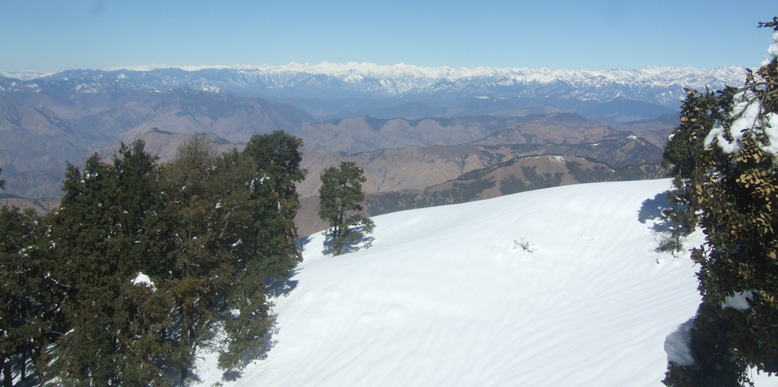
(514, 184)
(250, 319)
(671, 242)
(770, 24)
(30, 297)
(2, 182)
(110, 228)
(685, 157)
(200, 269)
(731, 188)
(277, 159)
(460, 192)
(340, 198)
(711, 347)
(207, 230)
(234, 229)
(392, 201)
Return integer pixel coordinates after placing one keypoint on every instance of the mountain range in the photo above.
(417, 131)
(360, 87)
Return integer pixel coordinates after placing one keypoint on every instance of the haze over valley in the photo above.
(412, 128)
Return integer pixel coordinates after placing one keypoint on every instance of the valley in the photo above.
(417, 148)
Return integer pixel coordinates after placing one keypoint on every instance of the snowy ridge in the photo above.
(656, 76)
(445, 296)
(658, 85)
(25, 75)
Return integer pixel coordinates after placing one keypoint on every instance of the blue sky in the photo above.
(52, 35)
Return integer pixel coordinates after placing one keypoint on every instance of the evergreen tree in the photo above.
(109, 230)
(340, 198)
(277, 160)
(2, 182)
(685, 157)
(234, 229)
(711, 348)
(201, 272)
(729, 182)
(139, 264)
(272, 250)
(29, 297)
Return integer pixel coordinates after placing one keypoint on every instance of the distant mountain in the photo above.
(416, 178)
(46, 122)
(419, 167)
(360, 87)
(367, 134)
(41, 206)
(164, 145)
(516, 175)
(121, 109)
(460, 118)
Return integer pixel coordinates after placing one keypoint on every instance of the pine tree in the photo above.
(340, 198)
(729, 182)
(2, 182)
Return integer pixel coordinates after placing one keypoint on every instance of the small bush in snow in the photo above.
(671, 243)
(524, 245)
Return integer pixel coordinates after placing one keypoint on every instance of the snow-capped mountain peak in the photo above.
(658, 85)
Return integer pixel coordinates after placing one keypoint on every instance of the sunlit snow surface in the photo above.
(444, 297)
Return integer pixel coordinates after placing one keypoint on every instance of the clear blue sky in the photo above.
(51, 35)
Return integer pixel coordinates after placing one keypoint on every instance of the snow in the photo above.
(666, 84)
(443, 298)
(747, 108)
(678, 343)
(142, 279)
(739, 300)
(209, 89)
(773, 49)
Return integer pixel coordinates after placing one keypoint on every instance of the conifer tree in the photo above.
(108, 231)
(29, 297)
(730, 183)
(340, 198)
(201, 271)
(233, 229)
(271, 251)
(2, 182)
(277, 160)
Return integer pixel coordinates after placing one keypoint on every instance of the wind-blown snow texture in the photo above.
(443, 297)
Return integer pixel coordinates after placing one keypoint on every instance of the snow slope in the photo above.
(444, 298)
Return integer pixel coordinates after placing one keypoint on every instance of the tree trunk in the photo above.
(35, 355)
(24, 365)
(8, 379)
(299, 245)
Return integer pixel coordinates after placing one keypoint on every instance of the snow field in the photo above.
(444, 298)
